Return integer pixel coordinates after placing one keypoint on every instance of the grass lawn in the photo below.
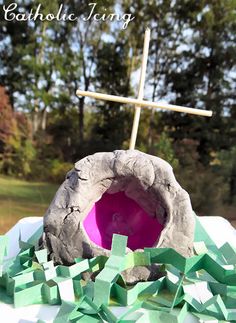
(19, 198)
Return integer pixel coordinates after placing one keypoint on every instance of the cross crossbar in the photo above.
(144, 103)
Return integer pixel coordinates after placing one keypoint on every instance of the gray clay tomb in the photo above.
(124, 192)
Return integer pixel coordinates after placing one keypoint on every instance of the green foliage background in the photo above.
(44, 127)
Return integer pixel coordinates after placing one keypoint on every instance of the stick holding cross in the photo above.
(140, 103)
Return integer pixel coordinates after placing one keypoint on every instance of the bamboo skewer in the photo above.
(141, 89)
(144, 103)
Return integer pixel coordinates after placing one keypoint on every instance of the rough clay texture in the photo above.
(146, 179)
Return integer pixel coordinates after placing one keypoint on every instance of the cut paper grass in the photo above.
(168, 299)
(19, 198)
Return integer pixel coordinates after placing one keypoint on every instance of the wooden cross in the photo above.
(139, 102)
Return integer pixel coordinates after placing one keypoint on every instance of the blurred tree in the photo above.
(12, 35)
(207, 188)
(204, 75)
(16, 149)
(164, 149)
(112, 126)
(30, 61)
(225, 163)
(85, 39)
(6, 119)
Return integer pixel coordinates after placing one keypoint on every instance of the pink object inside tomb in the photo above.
(117, 213)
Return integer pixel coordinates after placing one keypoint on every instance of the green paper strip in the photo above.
(28, 294)
(73, 270)
(65, 310)
(108, 276)
(3, 251)
(42, 256)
